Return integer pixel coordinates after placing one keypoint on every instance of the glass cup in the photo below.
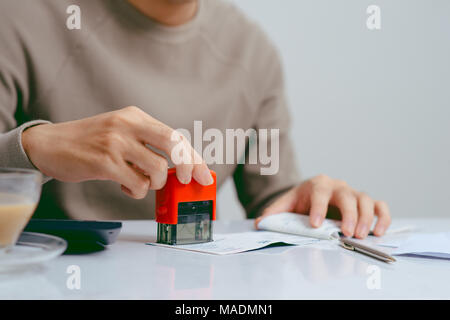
(20, 190)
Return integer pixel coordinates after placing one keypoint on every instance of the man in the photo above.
(68, 107)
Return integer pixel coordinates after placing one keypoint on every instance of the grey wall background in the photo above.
(369, 107)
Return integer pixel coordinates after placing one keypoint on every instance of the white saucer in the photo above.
(31, 249)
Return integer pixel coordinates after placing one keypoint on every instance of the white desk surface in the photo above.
(129, 269)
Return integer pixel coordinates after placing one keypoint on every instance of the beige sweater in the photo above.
(219, 68)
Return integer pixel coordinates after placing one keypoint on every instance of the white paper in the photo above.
(294, 223)
(425, 244)
(240, 242)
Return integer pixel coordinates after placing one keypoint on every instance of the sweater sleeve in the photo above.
(12, 154)
(258, 187)
(14, 97)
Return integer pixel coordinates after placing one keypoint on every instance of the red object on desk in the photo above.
(174, 192)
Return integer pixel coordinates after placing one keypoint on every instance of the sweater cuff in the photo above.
(13, 155)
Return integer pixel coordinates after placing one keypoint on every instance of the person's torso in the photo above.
(177, 75)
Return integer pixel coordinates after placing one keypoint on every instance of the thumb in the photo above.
(284, 203)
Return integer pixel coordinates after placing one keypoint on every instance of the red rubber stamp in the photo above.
(184, 212)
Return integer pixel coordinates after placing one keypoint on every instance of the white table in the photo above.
(129, 269)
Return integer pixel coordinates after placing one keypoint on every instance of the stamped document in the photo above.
(240, 242)
(294, 223)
